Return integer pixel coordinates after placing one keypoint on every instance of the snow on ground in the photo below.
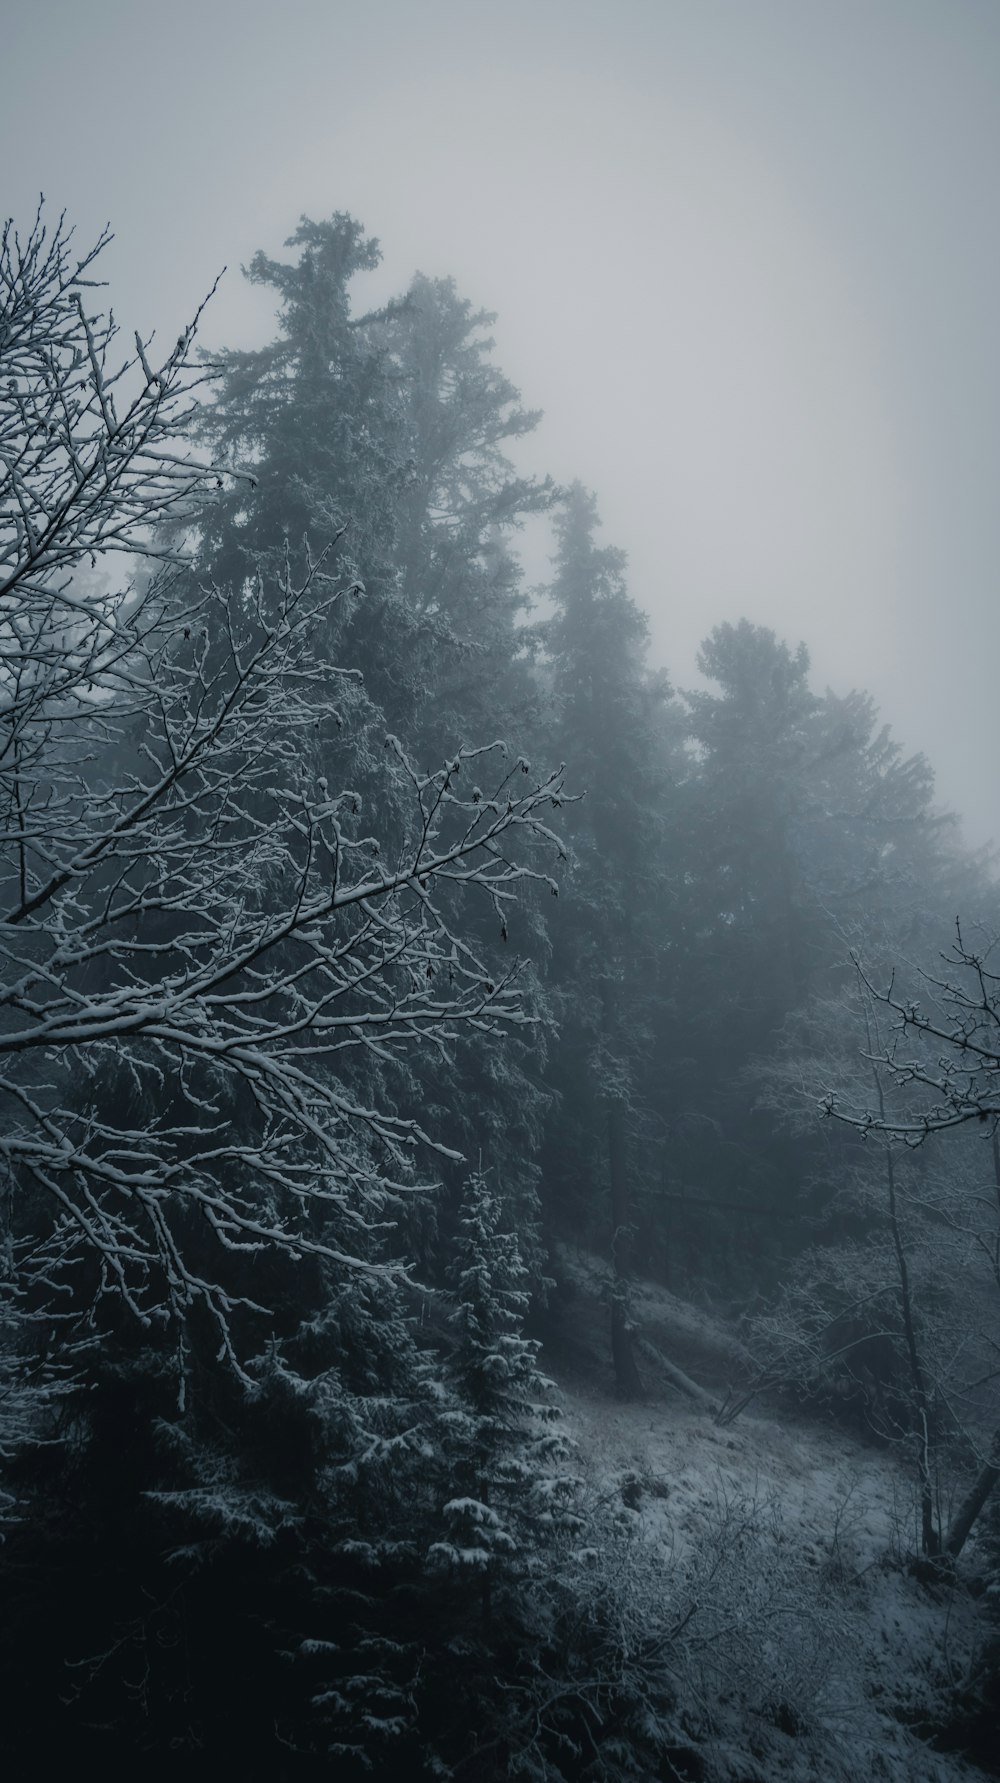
(811, 1651)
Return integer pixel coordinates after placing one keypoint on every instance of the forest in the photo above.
(432, 1041)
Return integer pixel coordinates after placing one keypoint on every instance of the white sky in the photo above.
(745, 254)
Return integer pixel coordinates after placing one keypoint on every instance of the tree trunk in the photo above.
(930, 1538)
(974, 1501)
(626, 1372)
(989, 1473)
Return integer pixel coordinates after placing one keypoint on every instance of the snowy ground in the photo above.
(811, 1652)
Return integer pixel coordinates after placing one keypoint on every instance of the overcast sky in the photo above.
(745, 254)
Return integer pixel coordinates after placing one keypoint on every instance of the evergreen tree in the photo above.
(317, 416)
(459, 511)
(754, 742)
(226, 977)
(807, 833)
(460, 507)
(387, 432)
(501, 1443)
(610, 968)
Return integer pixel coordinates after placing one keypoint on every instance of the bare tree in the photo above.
(91, 456)
(943, 1059)
(953, 1077)
(200, 937)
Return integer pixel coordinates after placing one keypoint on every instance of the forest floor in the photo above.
(807, 1649)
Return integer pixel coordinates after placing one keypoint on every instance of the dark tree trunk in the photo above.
(626, 1372)
(989, 1473)
(973, 1502)
(930, 1538)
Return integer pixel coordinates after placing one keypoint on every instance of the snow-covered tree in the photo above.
(502, 1442)
(199, 927)
(395, 424)
(89, 458)
(615, 722)
(940, 1053)
(217, 974)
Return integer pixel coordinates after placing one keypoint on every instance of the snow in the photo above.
(812, 1647)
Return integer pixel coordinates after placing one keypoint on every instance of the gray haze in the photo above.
(745, 254)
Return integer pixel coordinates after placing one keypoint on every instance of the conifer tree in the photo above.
(501, 1443)
(316, 416)
(459, 513)
(616, 723)
(806, 832)
(386, 432)
(462, 504)
(217, 980)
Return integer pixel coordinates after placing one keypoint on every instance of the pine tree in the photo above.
(806, 833)
(316, 415)
(387, 432)
(501, 1442)
(616, 724)
(462, 504)
(459, 513)
(230, 976)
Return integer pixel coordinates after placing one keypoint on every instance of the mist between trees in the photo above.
(333, 1004)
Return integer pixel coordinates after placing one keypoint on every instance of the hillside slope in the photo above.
(805, 1646)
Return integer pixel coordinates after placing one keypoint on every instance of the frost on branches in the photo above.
(90, 459)
(207, 953)
(944, 1054)
(942, 1059)
(511, 1487)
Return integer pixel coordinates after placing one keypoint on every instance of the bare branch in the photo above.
(208, 963)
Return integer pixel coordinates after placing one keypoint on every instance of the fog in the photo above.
(745, 257)
(454, 1230)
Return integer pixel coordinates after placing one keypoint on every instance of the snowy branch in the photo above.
(207, 963)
